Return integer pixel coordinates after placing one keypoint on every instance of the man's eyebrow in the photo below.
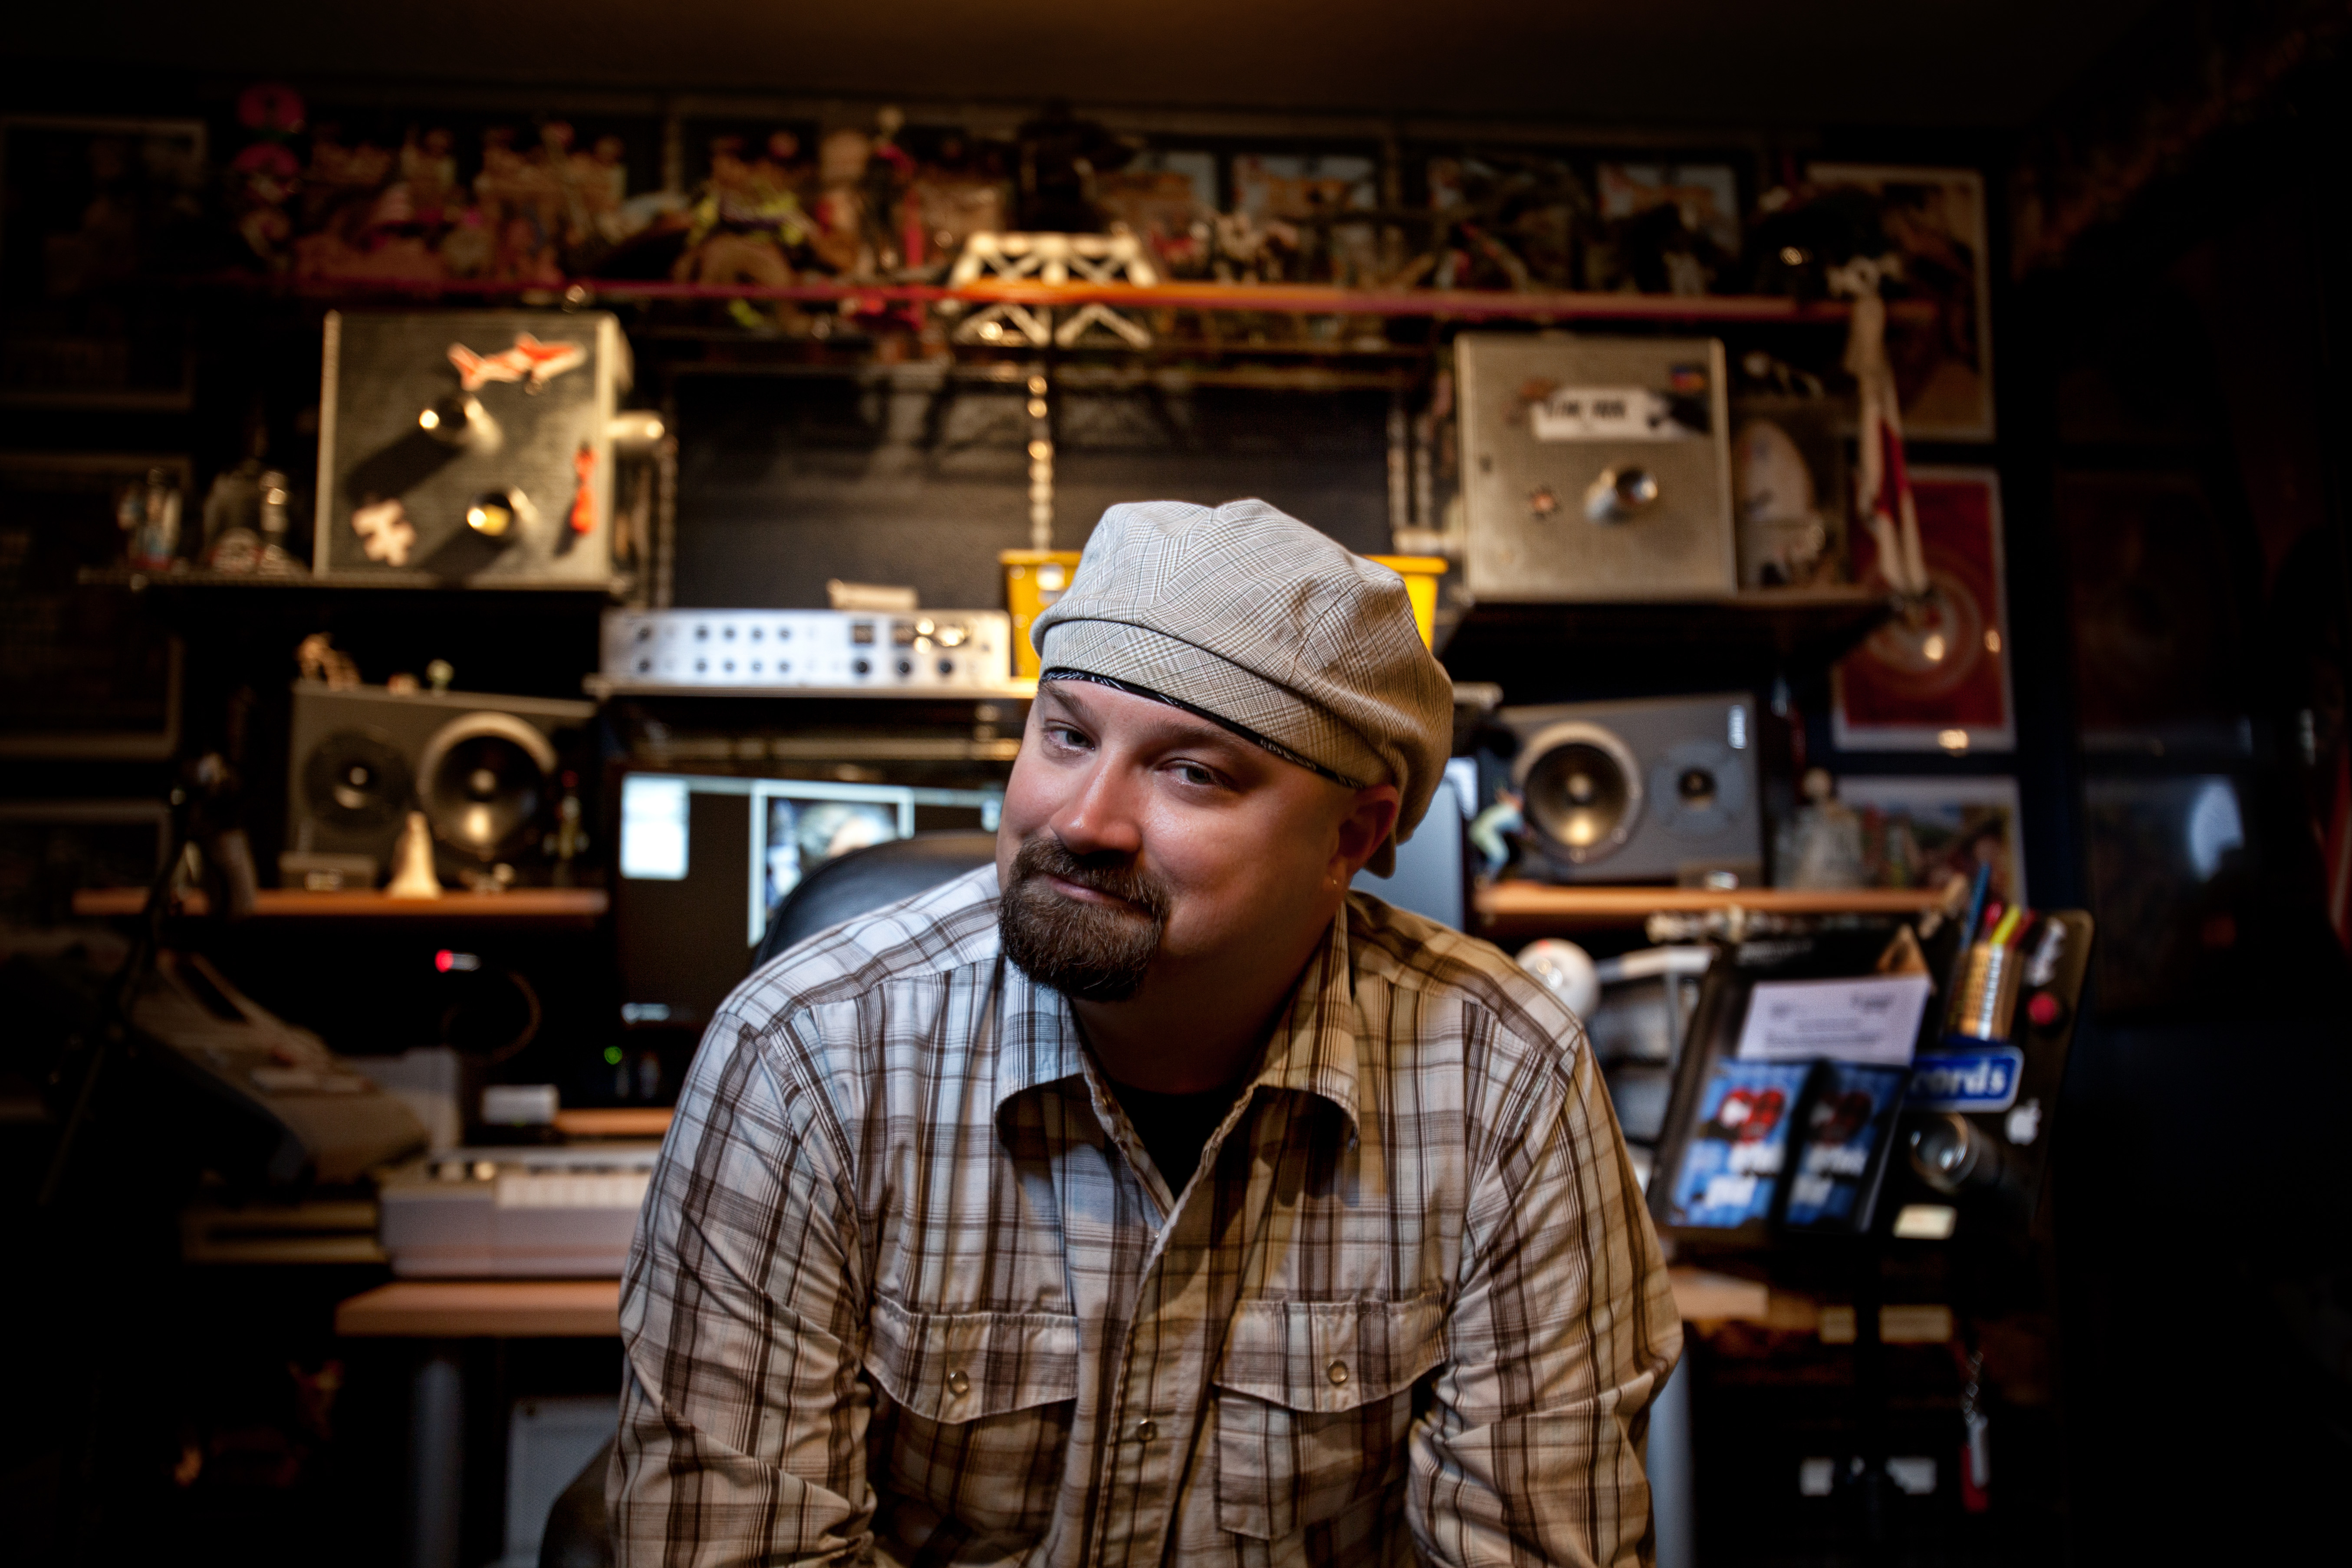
(1177, 726)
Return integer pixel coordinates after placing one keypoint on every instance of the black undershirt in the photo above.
(1175, 1127)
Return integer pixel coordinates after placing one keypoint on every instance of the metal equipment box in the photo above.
(1595, 469)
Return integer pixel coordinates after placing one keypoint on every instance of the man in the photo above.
(1174, 1204)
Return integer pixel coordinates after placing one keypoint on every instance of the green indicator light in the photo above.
(611, 1056)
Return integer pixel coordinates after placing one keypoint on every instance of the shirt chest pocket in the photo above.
(984, 1402)
(1313, 1401)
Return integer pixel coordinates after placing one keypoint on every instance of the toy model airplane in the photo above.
(530, 361)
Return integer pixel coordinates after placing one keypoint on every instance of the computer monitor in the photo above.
(1432, 872)
(704, 858)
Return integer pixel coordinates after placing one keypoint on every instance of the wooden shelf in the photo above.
(1531, 909)
(187, 575)
(1280, 298)
(484, 1308)
(581, 905)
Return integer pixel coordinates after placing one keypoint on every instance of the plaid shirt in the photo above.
(908, 1287)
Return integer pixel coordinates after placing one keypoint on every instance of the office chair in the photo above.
(577, 1533)
(848, 885)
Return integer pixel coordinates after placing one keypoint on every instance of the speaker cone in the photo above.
(357, 781)
(481, 780)
(1700, 788)
(1581, 790)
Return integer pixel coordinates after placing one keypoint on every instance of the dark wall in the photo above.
(786, 481)
(2180, 388)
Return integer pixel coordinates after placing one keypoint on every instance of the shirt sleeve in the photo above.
(1561, 1332)
(744, 1417)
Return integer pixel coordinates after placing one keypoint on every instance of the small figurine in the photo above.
(584, 499)
(318, 658)
(149, 514)
(1492, 830)
(1821, 845)
(411, 858)
(840, 239)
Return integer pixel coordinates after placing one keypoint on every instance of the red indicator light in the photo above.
(443, 961)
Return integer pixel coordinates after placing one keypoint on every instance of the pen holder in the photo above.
(1988, 999)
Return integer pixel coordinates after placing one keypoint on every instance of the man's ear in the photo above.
(1365, 827)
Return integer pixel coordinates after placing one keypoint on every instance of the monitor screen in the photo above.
(704, 859)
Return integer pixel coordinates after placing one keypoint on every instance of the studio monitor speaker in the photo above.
(481, 768)
(1631, 792)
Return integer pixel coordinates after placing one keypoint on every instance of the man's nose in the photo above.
(1103, 815)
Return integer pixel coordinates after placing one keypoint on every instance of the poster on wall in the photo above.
(1933, 220)
(1935, 676)
(1282, 228)
(1920, 832)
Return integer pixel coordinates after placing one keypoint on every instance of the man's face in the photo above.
(1136, 835)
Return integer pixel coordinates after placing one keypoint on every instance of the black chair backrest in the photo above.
(848, 885)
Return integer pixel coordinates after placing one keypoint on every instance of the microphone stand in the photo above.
(200, 811)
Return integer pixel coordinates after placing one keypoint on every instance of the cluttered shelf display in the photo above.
(807, 226)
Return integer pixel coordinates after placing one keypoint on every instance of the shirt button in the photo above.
(1338, 1373)
(1145, 1431)
(958, 1384)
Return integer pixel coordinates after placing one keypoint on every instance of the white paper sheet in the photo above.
(1872, 1019)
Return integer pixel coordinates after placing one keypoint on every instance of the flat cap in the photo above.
(1247, 617)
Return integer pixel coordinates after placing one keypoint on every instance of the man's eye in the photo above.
(1194, 774)
(1062, 735)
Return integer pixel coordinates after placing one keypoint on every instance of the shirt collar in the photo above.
(1312, 1049)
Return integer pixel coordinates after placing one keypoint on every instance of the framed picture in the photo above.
(1934, 220)
(1936, 677)
(1293, 204)
(1671, 228)
(1515, 217)
(1916, 831)
(96, 214)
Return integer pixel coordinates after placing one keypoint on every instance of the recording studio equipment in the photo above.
(481, 769)
(1616, 792)
(1595, 469)
(1636, 1031)
(704, 859)
(799, 651)
(566, 1212)
(473, 447)
(320, 1120)
(1974, 1140)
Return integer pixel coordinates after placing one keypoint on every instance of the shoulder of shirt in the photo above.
(938, 932)
(1411, 952)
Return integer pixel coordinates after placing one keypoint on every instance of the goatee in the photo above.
(1088, 952)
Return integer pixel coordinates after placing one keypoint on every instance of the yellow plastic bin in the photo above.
(1421, 574)
(1032, 580)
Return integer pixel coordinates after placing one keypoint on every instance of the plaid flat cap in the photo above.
(1247, 617)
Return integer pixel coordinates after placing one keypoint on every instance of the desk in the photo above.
(437, 1313)
(484, 1308)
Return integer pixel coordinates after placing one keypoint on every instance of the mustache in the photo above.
(1109, 872)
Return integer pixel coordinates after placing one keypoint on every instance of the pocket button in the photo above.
(958, 1384)
(1338, 1375)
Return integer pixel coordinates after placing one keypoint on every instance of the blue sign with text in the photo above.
(1982, 1078)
